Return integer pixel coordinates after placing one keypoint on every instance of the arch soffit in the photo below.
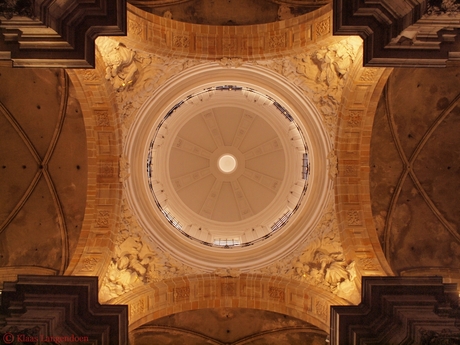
(95, 245)
(168, 37)
(294, 298)
(355, 119)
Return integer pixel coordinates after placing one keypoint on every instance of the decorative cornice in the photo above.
(61, 34)
(399, 33)
(418, 310)
(173, 38)
(55, 309)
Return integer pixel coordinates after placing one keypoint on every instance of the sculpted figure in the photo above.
(121, 67)
(284, 12)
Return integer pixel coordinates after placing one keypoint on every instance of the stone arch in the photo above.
(294, 298)
(94, 249)
(356, 115)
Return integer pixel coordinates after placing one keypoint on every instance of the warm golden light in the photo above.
(227, 163)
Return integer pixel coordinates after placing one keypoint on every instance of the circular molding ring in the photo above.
(158, 227)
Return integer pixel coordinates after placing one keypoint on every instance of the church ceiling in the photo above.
(412, 169)
(228, 326)
(415, 170)
(43, 170)
(228, 12)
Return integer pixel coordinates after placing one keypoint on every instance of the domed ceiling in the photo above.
(227, 164)
(231, 166)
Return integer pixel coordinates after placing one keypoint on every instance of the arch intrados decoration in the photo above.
(293, 298)
(358, 233)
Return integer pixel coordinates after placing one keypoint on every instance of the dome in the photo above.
(232, 165)
(229, 167)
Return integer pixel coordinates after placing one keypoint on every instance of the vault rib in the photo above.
(190, 178)
(402, 177)
(243, 129)
(213, 128)
(243, 204)
(17, 127)
(268, 182)
(49, 180)
(265, 148)
(408, 170)
(207, 209)
(189, 147)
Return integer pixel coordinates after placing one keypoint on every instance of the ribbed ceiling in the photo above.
(242, 193)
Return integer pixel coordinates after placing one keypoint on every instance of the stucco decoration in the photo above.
(284, 12)
(135, 262)
(321, 73)
(321, 262)
(451, 7)
(333, 164)
(230, 62)
(228, 272)
(135, 74)
(123, 168)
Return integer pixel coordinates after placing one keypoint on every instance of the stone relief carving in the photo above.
(103, 219)
(321, 309)
(102, 118)
(181, 293)
(321, 74)
(436, 7)
(137, 308)
(276, 293)
(284, 12)
(368, 264)
(135, 75)
(368, 74)
(228, 289)
(353, 217)
(333, 164)
(277, 41)
(228, 272)
(119, 59)
(354, 118)
(89, 264)
(135, 262)
(135, 28)
(123, 168)
(180, 41)
(321, 262)
(230, 62)
(90, 75)
(323, 27)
